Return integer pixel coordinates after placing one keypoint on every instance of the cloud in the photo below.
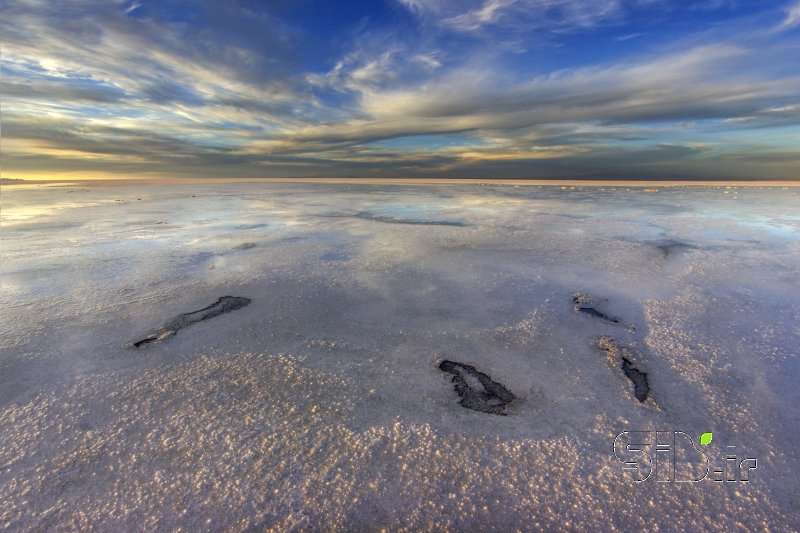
(133, 7)
(67, 90)
(105, 46)
(627, 37)
(709, 87)
(550, 15)
(489, 13)
(574, 114)
(792, 17)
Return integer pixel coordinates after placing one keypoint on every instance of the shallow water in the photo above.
(321, 404)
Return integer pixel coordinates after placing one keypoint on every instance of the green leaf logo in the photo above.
(705, 438)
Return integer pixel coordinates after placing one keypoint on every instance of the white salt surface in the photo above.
(321, 406)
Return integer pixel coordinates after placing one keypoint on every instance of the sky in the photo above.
(594, 89)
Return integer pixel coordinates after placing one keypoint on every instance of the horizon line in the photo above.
(569, 182)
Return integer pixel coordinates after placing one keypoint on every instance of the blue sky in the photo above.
(401, 88)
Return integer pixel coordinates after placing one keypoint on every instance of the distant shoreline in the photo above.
(409, 181)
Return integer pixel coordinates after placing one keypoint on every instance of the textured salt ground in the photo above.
(320, 405)
(255, 441)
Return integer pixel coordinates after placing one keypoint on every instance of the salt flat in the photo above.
(321, 404)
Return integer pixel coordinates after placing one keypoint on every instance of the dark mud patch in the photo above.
(335, 256)
(245, 246)
(250, 226)
(583, 303)
(641, 388)
(477, 390)
(201, 257)
(410, 221)
(365, 215)
(225, 304)
(45, 226)
(573, 216)
(622, 356)
(669, 247)
(666, 247)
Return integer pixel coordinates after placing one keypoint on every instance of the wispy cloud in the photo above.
(792, 17)
(527, 15)
(490, 12)
(627, 37)
(133, 7)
